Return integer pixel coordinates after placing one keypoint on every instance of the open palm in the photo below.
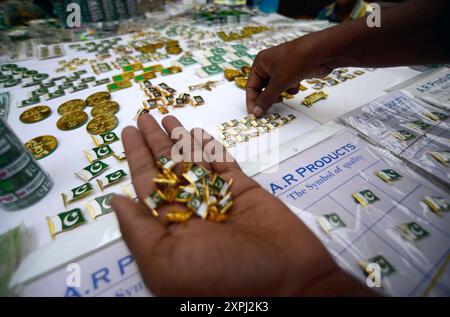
(263, 249)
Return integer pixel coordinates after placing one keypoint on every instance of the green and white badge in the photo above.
(98, 153)
(441, 157)
(412, 231)
(365, 197)
(418, 126)
(165, 163)
(199, 207)
(220, 186)
(100, 206)
(437, 204)
(225, 203)
(77, 193)
(388, 175)
(154, 201)
(331, 222)
(111, 179)
(386, 267)
(436, 116)
(209, 70)
(195, 174)
(91, 171)
(403, 135)
(65, 221)
(105, 138)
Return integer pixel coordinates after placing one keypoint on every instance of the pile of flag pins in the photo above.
(205, 194)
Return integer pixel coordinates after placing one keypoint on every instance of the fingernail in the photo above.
(257, 111)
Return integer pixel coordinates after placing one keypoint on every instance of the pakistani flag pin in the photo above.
(386, 268)
(330, 222)
(65, 221)
(388, 175)
(403, 135)
(437, 204)
(365, 197)
(99, 206)
(412, 231)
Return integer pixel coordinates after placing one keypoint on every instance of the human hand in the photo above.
(281, 68)
(263, 249)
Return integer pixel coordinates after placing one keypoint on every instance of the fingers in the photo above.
(268, 97)
(255, 84)
(142, 233)
(140, 160)
(191, 151)
(156, 138)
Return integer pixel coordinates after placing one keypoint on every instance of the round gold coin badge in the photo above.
(105, 107)
(98, 97)
(72, 120)
(42, 146)
(35, 114)
(71, 106)
(102, 124)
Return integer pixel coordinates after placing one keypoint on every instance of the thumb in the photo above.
(268, 97)
(140, 230)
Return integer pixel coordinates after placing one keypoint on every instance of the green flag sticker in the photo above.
(331, 222)
(209, 70)
(91, 171)
(412, 231)
(388, 175)
(225, 203)
(403, 135)
(419, 126)
(437, 204)
(65, 221)
(98, 153)
(365, 197)
(219, 185)
(386, 267)
(195, 174)
(436, 116)
(216, 59)
(99, 206)
(238, 64)
(218, 51)
(111, 179)
(165, 163)
(183, 196)
(154, 201)
(77, 193)
(442, 157)
(186, 61)
(199, 207)
(239, 47)
(105, 138)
